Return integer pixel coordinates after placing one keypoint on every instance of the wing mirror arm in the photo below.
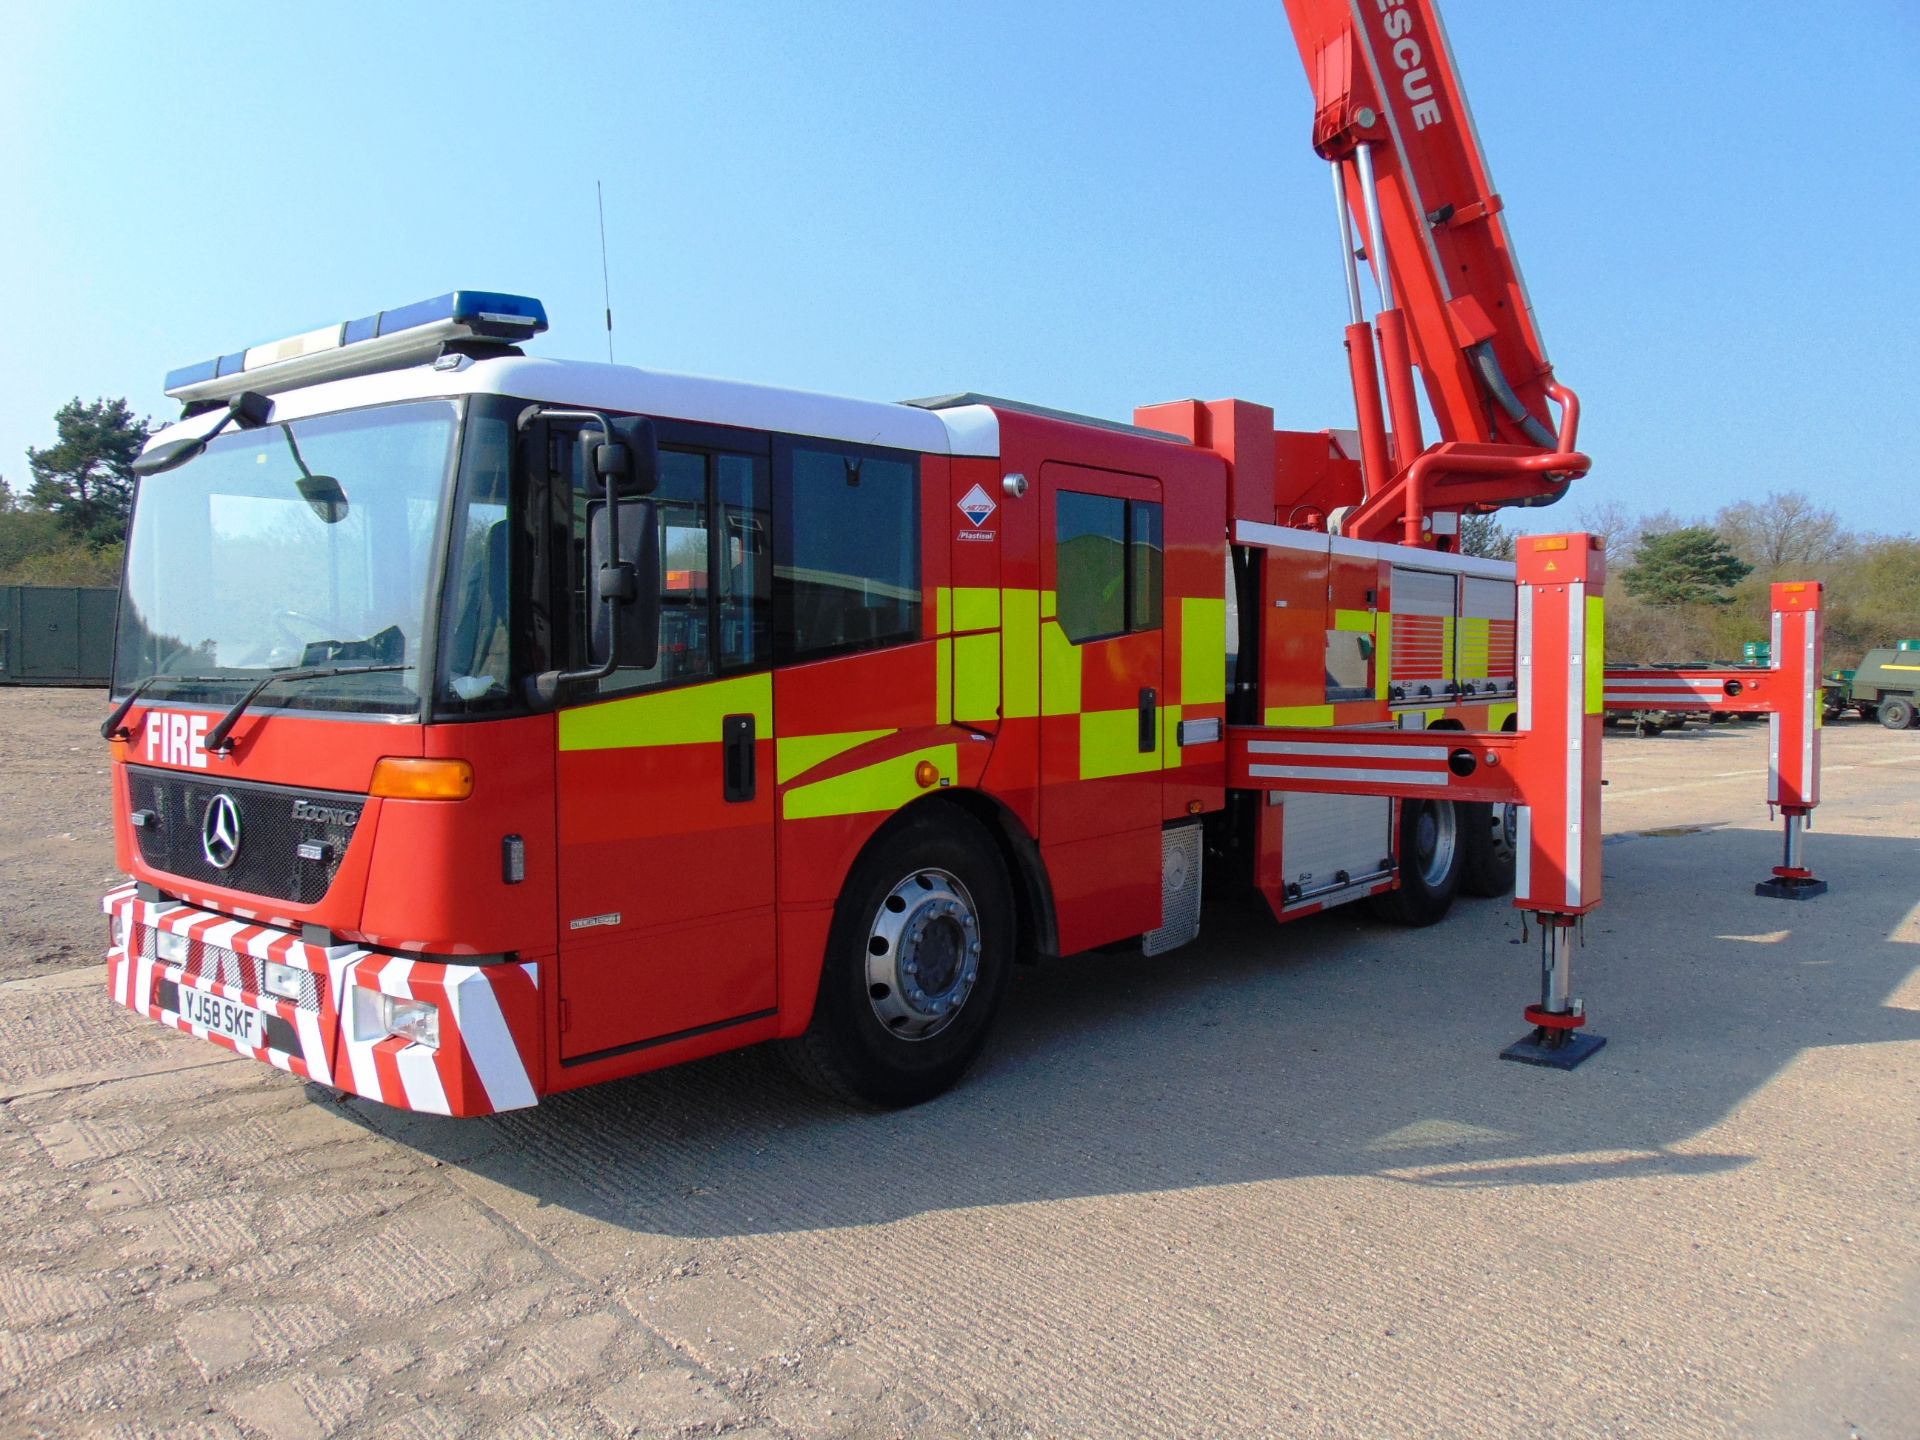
(626, 463)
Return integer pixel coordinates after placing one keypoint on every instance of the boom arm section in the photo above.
(1391, 116)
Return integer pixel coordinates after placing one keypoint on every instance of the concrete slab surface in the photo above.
(1275, 1183)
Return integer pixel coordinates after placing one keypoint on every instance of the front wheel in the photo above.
(1431, 859)
(917, 959)
(1896, 713)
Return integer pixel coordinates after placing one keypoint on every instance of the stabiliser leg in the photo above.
(1791, 879)
(1557, 1039)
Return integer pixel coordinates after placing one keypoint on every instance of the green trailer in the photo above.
(1886, 684)
(56, 634)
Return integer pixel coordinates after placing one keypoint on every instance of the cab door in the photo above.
(1104, 716)
(665, 808)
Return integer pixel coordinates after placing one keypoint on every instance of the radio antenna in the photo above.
(606, 287)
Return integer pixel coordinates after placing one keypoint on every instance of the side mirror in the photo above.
(625, 621)
(629, 462)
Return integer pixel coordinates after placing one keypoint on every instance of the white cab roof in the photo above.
(966, 430)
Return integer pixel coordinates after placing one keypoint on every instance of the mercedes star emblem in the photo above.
(220, 831)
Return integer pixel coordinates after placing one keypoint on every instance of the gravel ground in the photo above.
(56, 828)
(1272, 1184)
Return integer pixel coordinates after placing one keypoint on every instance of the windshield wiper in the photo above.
(217, 741)
(111, 728)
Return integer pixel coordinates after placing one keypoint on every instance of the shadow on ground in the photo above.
(1335, 1046)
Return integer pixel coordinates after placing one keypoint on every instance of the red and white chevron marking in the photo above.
(489, 1014)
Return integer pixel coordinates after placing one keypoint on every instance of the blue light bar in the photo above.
(385, 340)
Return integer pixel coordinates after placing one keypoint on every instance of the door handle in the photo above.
(1149, 720)
(738, 779)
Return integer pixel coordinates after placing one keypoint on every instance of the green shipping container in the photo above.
(56, 634)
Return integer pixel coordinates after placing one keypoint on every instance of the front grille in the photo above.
(268, 861)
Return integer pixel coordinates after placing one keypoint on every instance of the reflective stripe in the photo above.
(1523, 853)
(1059, 671)
(1306, 717)
(943, 682)
(1641, 681)
(1382, 656)
(1350, 752)
(1171, 755)
(976, 677)
(1355, 775)
(1774, 720)
(1523, 655)
(797, 754)
(1354, 620)
(1596, 653)
(1578, 613)
(687, 716)
(942, 611)
(884, 785)
(1020, 634)
(976, 608)
(1110, 744)
(1475, 648)
(1203, 665)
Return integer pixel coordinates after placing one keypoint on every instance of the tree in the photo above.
(1784, 531)
(1485, 536)
(1689, 566)
(85, 478)
(1609, 520)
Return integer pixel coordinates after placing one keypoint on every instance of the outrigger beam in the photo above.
(1787, 692)
(1549, 766)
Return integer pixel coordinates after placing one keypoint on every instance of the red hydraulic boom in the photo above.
(1391, 117)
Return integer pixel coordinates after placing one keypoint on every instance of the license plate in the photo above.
(217, 1016)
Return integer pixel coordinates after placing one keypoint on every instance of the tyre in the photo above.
(917, 959)
(1896, 712)
(1487, 840)
(1431, 859)
(1647, 727)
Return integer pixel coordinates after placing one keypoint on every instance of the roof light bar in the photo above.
(386, 340)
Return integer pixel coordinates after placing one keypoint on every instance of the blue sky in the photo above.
(1085, 205)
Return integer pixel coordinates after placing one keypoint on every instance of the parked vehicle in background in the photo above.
(1885, 685)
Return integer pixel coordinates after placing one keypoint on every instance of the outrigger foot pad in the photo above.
(1791, 887)
(1557, 1049)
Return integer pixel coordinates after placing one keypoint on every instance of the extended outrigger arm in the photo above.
(1788, 693)
(1549, 766)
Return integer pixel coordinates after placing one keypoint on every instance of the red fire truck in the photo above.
(489, 725)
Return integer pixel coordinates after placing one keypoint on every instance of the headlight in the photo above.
(418, 1020)
(281, 980)
(170, 947)
(376, 1015)
(116, 931)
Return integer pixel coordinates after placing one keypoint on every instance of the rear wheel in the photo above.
(1896, 713)
(1431, 861)
(917, 959)
(1488, 834)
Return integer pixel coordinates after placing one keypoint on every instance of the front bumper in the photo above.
(490, 1018)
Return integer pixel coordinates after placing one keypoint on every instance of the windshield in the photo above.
(310, 543)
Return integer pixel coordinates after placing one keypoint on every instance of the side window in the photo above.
(846, 563)
(680, 507)
(743, 574)
(1109, 562)
(715, 570)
